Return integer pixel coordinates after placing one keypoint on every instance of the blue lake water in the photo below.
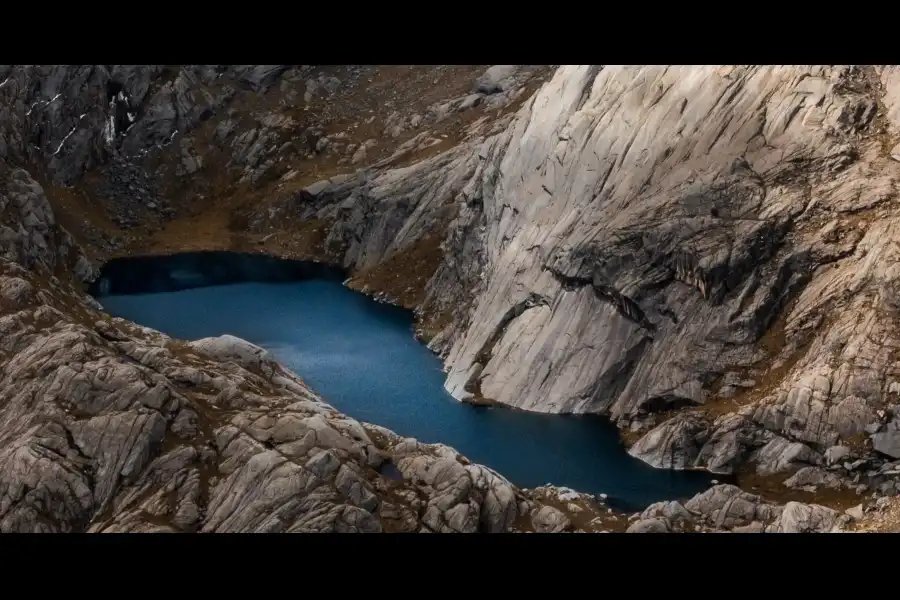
(362, 358)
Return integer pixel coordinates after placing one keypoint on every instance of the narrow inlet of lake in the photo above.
(362, 358)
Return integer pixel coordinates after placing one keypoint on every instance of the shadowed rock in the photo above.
(639, 242)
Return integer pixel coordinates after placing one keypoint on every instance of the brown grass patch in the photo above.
(432, 324)
(81, 217)
(587, 516)
(630, 438)
(772, 488)
(886, 521)
(405, 273)
(767, 377)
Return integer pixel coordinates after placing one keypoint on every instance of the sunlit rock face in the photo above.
(106, 426)
(702, 253)
(712, 242)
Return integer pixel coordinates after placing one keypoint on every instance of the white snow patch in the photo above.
(44, 102)
(68, 135)
(109, 128)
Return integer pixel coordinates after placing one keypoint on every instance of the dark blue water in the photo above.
(362, 358)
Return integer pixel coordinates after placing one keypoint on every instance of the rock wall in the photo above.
(72, 117)
(642, 242)
(106, 426)
(29, 234)
(109, 427)
(704, 254)
(638, 225)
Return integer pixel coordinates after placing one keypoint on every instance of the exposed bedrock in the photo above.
(649, 241)
(705, 254)
(659, 214)
(72, 118)
(106, 426)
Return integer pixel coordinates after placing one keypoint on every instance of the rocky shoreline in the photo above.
(727, 297)
(144, 433)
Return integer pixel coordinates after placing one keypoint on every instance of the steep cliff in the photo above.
(106, 426)
(707, 255)
(109, 427)
(704, 254)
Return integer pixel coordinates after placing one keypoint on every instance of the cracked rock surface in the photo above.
(106, 426)
(705, 254)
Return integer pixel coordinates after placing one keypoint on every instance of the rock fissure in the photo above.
(627, 307)
(747, 261)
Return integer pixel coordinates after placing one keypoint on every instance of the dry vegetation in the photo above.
(772, 488)
(211, 207)
(585, 516)
(403, 275)
(886, 520)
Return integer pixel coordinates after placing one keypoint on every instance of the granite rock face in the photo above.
(109, 427)
(106, 426)
(704, 254)
(725, 508)
(29, 234)
(643, 270)
(713, 243)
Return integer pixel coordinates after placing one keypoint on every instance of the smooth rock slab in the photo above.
(805, 518)
(228, 348)
(655, 525)
(549, 520)
(888, 441)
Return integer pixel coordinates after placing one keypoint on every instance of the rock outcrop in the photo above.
(704, 254)
(106, 426)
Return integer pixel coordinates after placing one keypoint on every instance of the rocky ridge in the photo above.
(109, 427)
(106, 426)
(705, 255)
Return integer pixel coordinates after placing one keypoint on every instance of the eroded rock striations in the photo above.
(705, 254)
(105, 426)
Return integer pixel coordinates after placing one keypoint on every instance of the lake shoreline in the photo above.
(582, 452)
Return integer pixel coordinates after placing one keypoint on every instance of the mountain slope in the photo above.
(714, 244)
(705, 255)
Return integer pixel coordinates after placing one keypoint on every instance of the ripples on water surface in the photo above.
(362, 358)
